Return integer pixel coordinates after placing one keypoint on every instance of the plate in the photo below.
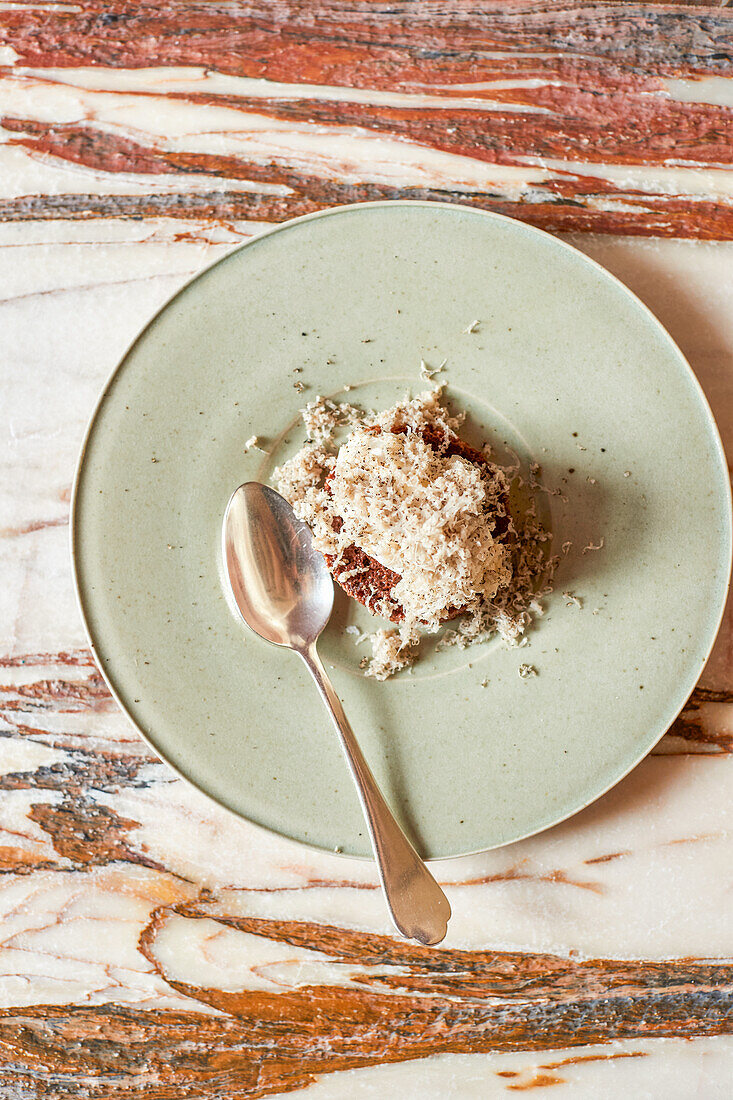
(565, 367)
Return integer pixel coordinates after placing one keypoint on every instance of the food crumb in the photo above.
(473, 326)
(389, 654)
(299, 386)
(627, 473)
(571, 599)
(525, 671)
(593, 546)
(427, 372)
(484, 683)
(535, 475)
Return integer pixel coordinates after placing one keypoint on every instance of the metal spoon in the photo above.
(284, 592)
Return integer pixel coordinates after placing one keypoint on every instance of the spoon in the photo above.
(283, 590)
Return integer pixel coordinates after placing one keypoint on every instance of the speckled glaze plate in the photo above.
(566, 367)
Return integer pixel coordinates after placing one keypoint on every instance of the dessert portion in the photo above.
(414, 524)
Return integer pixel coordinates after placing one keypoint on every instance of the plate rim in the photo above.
(532, 231)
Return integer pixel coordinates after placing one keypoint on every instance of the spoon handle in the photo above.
(416, 903)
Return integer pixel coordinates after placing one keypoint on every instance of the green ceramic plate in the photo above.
(566, 367)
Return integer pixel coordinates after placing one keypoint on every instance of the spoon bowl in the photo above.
(280, 583)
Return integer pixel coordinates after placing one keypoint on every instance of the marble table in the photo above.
(150, 945)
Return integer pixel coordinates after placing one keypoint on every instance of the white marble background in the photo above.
(646, 873)
(73, 295)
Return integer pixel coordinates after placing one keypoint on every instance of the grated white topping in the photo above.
(389, 654)
(427, 516)
(323, 416)
(424, 514)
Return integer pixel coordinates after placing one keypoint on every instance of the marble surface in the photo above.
(151, 945)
